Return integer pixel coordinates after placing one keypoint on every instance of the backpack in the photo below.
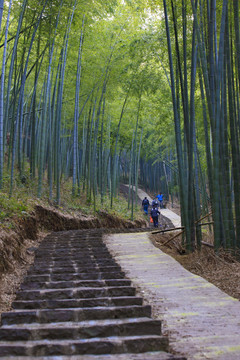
(154, 212)
(155, 203)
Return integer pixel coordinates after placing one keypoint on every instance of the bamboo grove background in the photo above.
(143, 92)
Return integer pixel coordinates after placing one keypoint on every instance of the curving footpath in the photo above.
(175, 219)
(202, 321)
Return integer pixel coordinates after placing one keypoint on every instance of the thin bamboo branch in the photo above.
(207, 244)
(21, 32)
(204, 217)
(172, 238)
(207, 223)
(167, 230)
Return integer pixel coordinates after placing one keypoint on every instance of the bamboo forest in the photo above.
(146, 93)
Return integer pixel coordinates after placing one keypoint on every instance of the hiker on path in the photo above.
(160, 199)
(154, 214)
(155, 203)
(145, 205)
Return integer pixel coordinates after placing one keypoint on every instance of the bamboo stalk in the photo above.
(76, 111)
(2, 93)
(21, 99)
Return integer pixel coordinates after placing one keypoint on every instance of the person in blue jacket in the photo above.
(154, 214)
(160, 199)
(145, 205)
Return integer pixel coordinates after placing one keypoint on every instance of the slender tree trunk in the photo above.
(2, 92)
(76, 111)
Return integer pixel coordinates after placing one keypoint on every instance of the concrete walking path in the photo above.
(202, 321)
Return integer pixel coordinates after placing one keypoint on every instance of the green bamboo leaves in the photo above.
(85, 98)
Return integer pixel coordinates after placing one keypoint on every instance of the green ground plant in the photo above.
(23, 201)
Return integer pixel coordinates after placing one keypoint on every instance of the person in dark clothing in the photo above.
(145, 205)
(154, 214)
(155, 203)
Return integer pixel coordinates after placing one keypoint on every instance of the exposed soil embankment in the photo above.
(53, 220)
(12, 241)
(18, 244)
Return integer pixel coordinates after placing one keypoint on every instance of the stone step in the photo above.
(80, 242)
(81, 330)
(74, 267)
(77, 243)
(74, 314)
(71, 303)
(77, 269)
(73, 242)
(156, 355)
(109, 345)
(74, 259)
(83, 263)
(75, 293)
(67, 244)
(75, 254)
(71, 248)
(81, 260)
(69, 262)
(26, 285)
(75, 276)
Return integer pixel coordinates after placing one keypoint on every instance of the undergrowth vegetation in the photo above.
(24, 200)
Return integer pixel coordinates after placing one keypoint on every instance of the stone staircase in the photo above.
(76, 303)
